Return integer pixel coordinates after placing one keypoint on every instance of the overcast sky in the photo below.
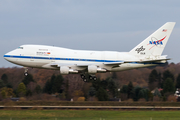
(108, 25)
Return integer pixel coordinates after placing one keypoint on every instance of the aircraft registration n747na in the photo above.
(68, 61)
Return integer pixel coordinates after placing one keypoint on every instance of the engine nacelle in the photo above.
(64, 70)
(92, 69)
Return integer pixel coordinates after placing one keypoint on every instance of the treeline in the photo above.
(146, 84)
(161, 87)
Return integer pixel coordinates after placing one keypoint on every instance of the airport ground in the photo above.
(89, 103)
(88, 115)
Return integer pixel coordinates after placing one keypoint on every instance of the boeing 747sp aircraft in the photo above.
(68, 61)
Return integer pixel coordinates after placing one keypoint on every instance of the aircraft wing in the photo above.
(105, 63)
(113, 63)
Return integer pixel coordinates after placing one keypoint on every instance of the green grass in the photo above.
(87, 115)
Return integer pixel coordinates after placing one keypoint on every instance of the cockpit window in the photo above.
(20, 48)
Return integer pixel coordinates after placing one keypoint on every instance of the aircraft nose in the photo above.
(6, 56)
(10, 56)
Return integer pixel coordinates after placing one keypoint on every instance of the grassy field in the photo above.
(87, 115)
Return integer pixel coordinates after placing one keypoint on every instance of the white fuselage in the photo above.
(147, 53)
(40, 56)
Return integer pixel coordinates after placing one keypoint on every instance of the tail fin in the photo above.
(155, 43)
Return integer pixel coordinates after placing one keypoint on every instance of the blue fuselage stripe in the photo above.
(54, 58)
(75, 59)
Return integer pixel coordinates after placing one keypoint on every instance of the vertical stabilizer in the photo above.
(155, 43)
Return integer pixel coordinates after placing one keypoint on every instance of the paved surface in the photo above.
(93, 107)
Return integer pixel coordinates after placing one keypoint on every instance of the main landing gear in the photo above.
(84, 78)
(26, 72)
(90, 78)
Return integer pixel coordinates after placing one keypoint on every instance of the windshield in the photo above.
(20, 48)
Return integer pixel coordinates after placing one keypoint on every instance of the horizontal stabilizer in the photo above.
(147, 61)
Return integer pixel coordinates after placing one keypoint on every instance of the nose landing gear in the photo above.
(26, 71)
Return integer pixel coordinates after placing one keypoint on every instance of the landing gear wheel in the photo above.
(26, 74)
(90, 77)
(83, 76)
(85, 80)
(94, 78)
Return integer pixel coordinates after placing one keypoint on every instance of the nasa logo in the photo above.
(156, 42)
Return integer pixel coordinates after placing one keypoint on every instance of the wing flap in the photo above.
(72, 64)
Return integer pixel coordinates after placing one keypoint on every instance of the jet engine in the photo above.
(92, 69)
(64, 70)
